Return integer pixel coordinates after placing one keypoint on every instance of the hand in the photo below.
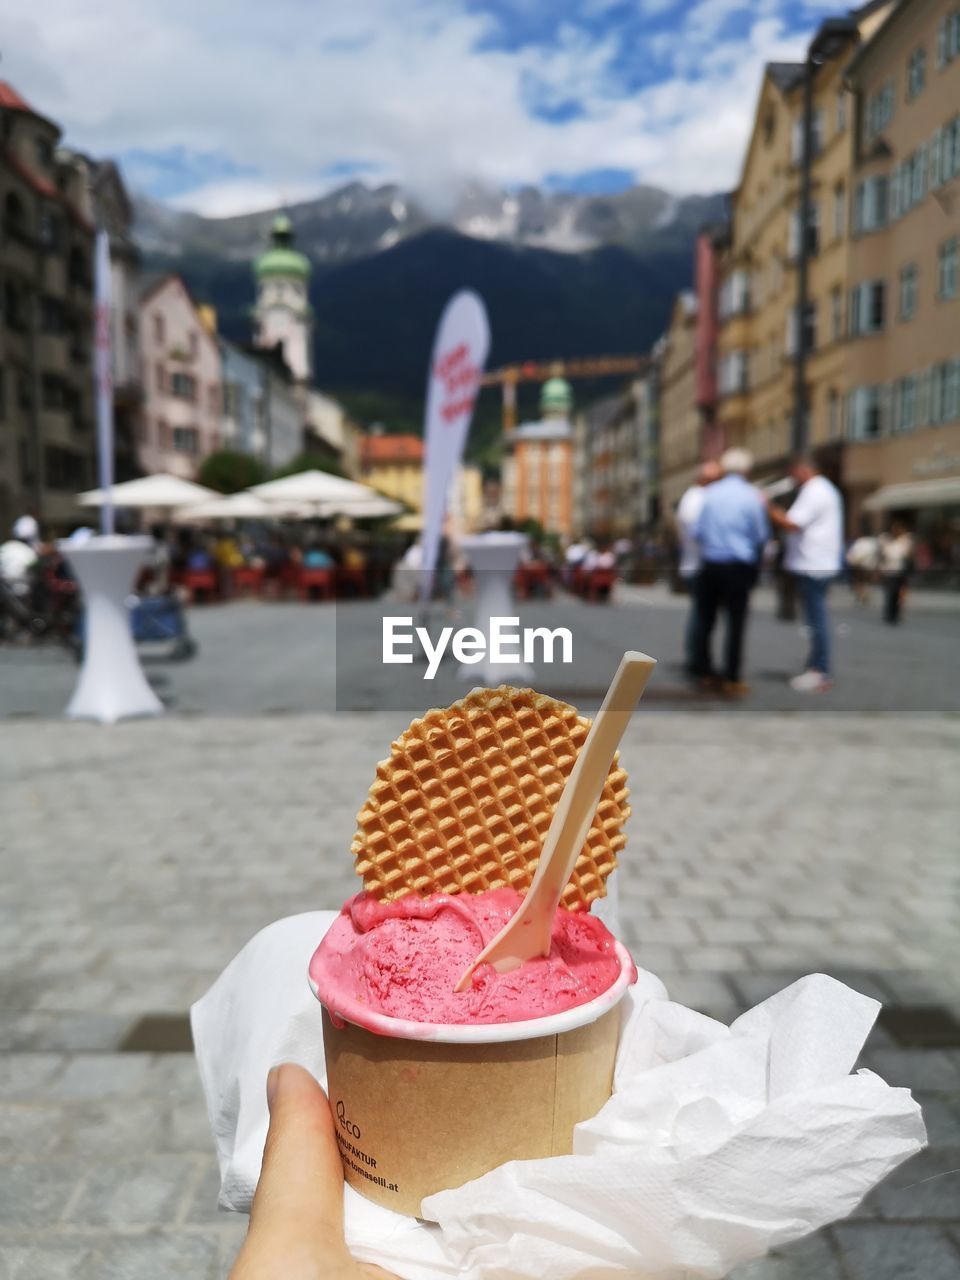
(296, 1223)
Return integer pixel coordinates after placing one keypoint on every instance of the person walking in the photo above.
(895, 555)
(731, 531)
(687, 515)
(814, 525)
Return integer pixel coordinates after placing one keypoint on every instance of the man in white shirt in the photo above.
(814, 525)
(687, 515)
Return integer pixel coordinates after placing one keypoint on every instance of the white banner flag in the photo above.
(103, 377)
(456, 366)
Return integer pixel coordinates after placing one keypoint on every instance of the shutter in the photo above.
(935, 168)
(895, 194)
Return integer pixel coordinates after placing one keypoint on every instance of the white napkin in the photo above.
(718, 1143)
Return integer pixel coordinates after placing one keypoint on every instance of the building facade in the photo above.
(903, 295)
(616, 491)
(769, 358)
(538, 464)
(182, 380)
(47, 422)
(282, 315)
(393, 465)
(681, 435)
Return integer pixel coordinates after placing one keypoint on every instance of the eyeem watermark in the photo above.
(506, 643)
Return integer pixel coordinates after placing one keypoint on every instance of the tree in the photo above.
(229, 471)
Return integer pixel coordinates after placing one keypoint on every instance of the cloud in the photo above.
(224, 107)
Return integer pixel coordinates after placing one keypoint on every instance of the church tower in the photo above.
(282, 312)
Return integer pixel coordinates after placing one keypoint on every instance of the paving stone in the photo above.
(930, 1069)
(134, 1193)
(812, 1258)
(28, 1130)
(97, 1075)
(62, 1259)
(897, 1252)
(21, 1075)
(928, 1186)
(35, 1194)
(160, 1256)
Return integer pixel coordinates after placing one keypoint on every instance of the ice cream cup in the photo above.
(424, 1107)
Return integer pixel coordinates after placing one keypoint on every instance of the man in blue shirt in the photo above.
(731, 530)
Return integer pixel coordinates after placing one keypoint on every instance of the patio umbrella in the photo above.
(364, 508)
(323, 494)
(238, 506)
(158, 491)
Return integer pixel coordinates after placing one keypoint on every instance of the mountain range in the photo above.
(562, 274)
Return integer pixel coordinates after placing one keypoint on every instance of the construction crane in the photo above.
(539, 371)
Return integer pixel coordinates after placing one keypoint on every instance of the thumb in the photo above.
(296, 1223)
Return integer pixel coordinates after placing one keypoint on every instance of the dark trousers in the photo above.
(893, 585)
(692, 630)
(723, 586)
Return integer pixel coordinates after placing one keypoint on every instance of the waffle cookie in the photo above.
(464, 801)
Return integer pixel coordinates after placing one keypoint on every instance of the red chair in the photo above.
(201, 584)
(351, 582)
(533, 579)
(317, 584)
(248, 580)
(600, 583)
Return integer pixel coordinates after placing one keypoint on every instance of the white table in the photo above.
(111, 685)
(494, 557)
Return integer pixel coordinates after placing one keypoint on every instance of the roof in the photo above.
(785, 74)
(889, 24)
(390, 449)
(12, 101)
(280, 261)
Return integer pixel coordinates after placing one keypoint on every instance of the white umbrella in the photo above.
(363, 509)
(160, 491)
(238, 506)
(323, 493)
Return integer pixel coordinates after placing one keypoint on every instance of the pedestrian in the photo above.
(895, 550)
(731, 531)
(687, 514)
(814, 527)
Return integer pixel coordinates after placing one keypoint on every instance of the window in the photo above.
(870, 204)
(734, 299)
(64, 470)
(905, 403)
(161, 376)
(183, 385)
(948, 39)
(916, 72)
(865, 413)
(53, 391)
(948, 260)
(48, 229)
(816, 136)
(866, 308)
(14, 217)
(733, 372)
(841, 119)
(809, 329)
(813, 232)
(836, 313)
(52, 316)
(908, 291)
(908, 183)
(43, 151)
(14, 307)
(879, 111)
(185, 439)
(159, 329)
(839, 211)
(945, 153)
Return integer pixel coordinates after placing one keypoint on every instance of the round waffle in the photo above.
(464, 801)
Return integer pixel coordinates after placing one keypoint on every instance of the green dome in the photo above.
(556, 396)
(282, 259)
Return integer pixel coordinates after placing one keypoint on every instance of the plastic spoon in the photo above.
(527, 933)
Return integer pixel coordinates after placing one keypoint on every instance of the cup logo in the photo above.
(346, 1125)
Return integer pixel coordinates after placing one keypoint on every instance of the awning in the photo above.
(917, 493)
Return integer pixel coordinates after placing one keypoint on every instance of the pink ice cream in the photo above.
(404, 958)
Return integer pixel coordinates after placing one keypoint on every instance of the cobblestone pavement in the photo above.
(140, 858)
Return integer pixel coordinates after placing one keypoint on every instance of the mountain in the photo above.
(561, 275)
(357, 220)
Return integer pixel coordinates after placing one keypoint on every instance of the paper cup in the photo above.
(424, 1107)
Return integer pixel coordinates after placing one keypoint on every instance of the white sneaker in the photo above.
(811, 682)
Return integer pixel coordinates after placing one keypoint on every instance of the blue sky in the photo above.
(228, 105)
